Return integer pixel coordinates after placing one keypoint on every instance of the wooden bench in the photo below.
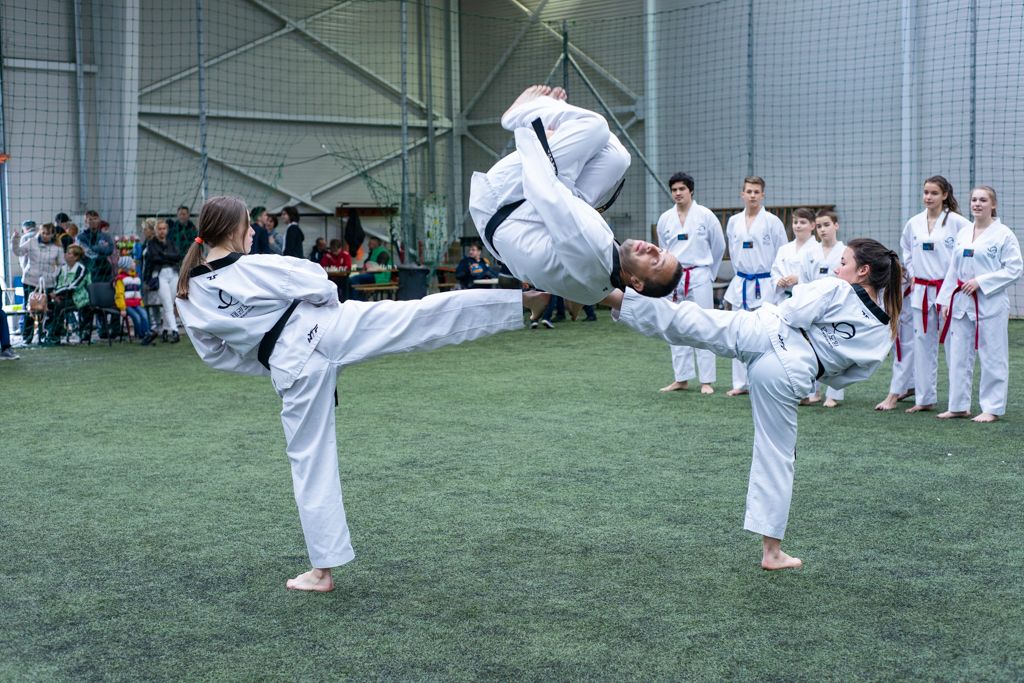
(378, 291)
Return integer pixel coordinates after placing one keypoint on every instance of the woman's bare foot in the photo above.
(909, 393)
(736, 392)
(921, 409)
(536, 301)
(530, 94)
(315, 580)
(830, 403)
(676, 386)
(707, 389)
(773, 558)
(559, 93)
(889, 403)
(953, 414)
(985, 417)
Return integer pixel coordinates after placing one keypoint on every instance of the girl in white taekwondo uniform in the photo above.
(693, 235)
(280, 316)
(816, 265)
(986, 261)
(787, 264)
(927, 243)
(830, 329)
(755, 237)
(534, 208)
(901, 384)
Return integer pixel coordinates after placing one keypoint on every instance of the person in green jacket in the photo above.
(376, 267)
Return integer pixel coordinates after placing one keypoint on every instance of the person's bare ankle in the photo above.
(985, 417)
(736, 392)
(921, 408)
(707, 389)
(676, 386)
(314, 581)
(889, 403)
(772, 557)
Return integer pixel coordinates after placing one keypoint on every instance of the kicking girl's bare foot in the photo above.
(889, 403)
(736, 392)
(953, 414)
(315, 580)
(558, 93)
(530, 94)
(536, 301)
(922, 408)
(773, 558)
(707, 389)
(985, 417)
(909, 393)
(676, 386)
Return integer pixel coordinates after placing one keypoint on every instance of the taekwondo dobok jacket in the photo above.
(926, 256)
(699, 244)
(231, 305)
(994, 260)
(815, 265)
(788, 262)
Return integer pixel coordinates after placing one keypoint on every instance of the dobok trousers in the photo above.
(361, 331)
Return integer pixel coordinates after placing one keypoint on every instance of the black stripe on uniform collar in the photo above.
(616, 276)
(215, 264)
(882, 316)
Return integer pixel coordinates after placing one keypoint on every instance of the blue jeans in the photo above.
(5, 333)
(361, 279)
(140, 319)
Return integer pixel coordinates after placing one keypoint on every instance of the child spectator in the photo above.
(70, 293)
(473, 267)
(336, 257)
(128, 299)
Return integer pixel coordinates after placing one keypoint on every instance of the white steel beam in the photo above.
(274, 117)
(379, 161)
(45, 65)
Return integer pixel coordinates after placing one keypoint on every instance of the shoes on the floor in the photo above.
(590, 319)
(9, 354)
(163, 336)
(534, 325)
(148, 339)
(175, 338)
(547, 323)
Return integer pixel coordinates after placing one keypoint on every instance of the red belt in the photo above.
(977, 317)
(686, 283)
(937, 284)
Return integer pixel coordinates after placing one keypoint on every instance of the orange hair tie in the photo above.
(199, 240)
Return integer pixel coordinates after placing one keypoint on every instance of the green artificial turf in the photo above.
(523, 507)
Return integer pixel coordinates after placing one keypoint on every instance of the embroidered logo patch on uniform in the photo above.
(949, 242)
(767, 239)
(993, 250)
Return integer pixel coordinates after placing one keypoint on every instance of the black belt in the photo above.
(821, 368)
(497, 219)
(270, 338)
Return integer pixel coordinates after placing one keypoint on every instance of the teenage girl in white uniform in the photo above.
(280, 316)
(818, 264)
(986, 261)
(831, 329)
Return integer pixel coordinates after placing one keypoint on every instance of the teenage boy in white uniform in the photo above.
(787, 264)
(692, 234)
(755, 237)
(534, 208)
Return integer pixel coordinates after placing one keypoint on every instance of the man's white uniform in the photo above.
(817, 266)
(555, 240)
(752, 252)
(234, 303)
(699, 245)
(828, 329)
(979, 323)
(788, 262)
(926, 256)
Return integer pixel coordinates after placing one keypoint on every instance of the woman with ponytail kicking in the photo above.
(831, 329)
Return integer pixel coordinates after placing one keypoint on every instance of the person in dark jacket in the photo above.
(293, 236)
(260, 237)
(182, 230)
(473, 267)
(161, 274)
(318, 250)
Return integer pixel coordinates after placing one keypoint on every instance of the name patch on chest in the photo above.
(823, 270)
(749, 244)
(968, 253)
(682, 237)
(928, 246)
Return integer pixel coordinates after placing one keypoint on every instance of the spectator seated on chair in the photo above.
(377, 267)
(70, 294)
(128, 299)
(336, 256)
(473, 267)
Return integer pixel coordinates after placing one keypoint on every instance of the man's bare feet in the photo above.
(530, 94)
(559, 93)
(953, 414)
(889, 403)
(920, 409)
(909, 393)
(315, 580)
(536, 301)
(773, 558)
(830, 403)
(706, 389)
(676, 386)
(985, 417)
(736, 392)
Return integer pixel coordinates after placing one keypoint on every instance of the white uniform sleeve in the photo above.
(777, 273)
(663, 231)
(219, 356)
(1010, 259)
(285, 278)
(907, 249)
(779, 236)
(809, 302)
(807, 264)
(717, 241)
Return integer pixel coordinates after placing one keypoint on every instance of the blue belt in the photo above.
(756, 277)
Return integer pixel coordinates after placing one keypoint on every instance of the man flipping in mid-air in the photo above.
(534, 209)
